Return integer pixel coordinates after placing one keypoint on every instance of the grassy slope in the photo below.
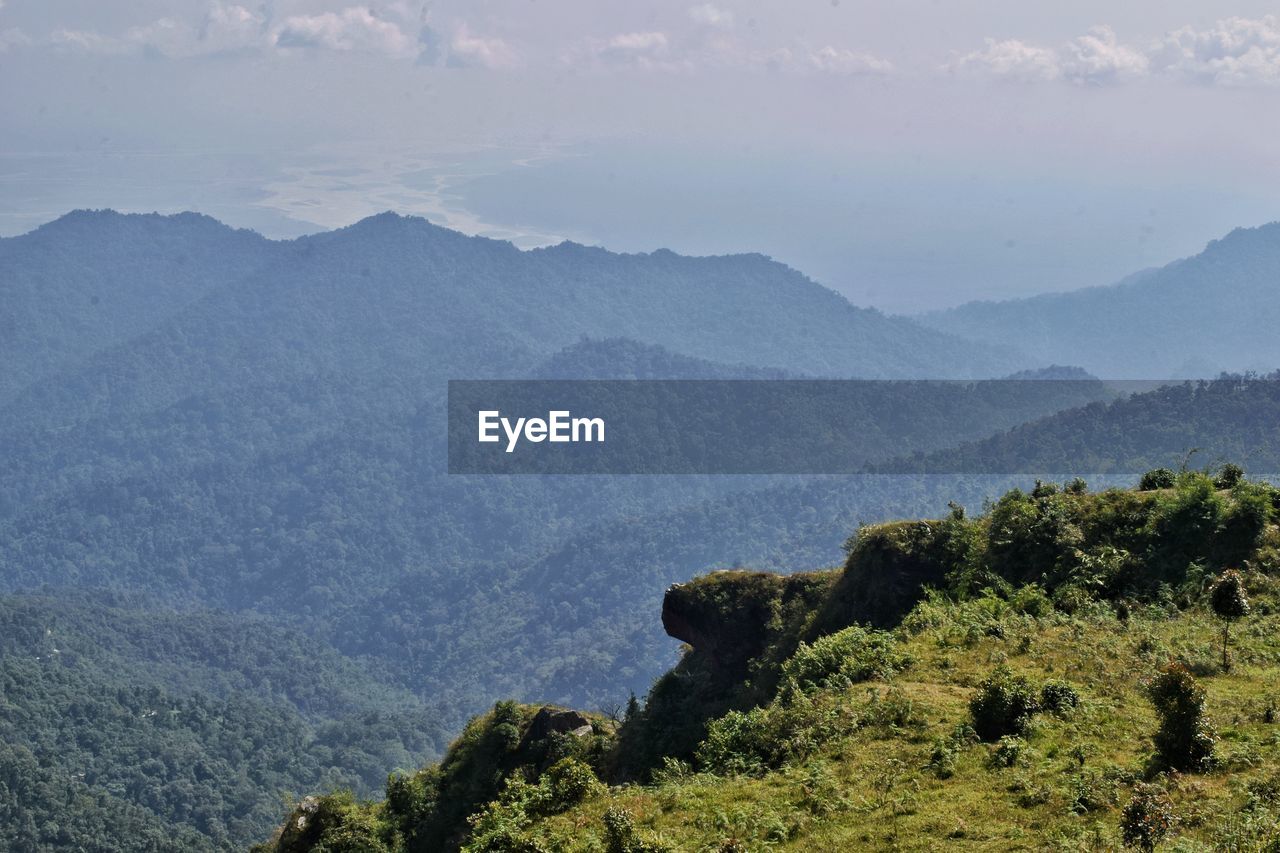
(882, 793)
(846, 744)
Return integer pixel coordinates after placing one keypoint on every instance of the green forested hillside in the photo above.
(219, 421)
(1050, 673)
(90, 281)
(127, 726)
(262, 453)
(1205, 422)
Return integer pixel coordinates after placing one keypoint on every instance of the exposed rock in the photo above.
(726, 616)
(550, 720)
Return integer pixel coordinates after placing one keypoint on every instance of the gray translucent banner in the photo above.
(857, 426)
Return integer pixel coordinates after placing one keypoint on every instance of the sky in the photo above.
(912, 154)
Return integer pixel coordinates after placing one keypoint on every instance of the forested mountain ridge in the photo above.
(268, 443)
(94, 279)
(218, 421)
(399, 297)
(1206, 421)
(1193, 318)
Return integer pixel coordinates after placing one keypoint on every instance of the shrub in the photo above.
(332, 822)
(1059, 697)
(1185, 528)
(1184, 740)
(1044, 490)
(842, 659)
(567, 783)
(1244, 522)
(1008, 751)
(620, 834)
(500, 826)
(1157, 478)
(1077, 487)
(946, 751)
(1031, 600)
(1003, 706)
(1029, 538)
(1229, 476)
(1147, 818)
(739, 742)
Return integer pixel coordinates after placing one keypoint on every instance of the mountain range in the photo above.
(199, 425)
(1192, 318)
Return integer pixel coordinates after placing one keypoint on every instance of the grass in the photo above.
(1067, 780)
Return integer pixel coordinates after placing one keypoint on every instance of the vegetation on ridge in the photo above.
(1045, 673)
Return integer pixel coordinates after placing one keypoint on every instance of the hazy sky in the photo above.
(908, 153)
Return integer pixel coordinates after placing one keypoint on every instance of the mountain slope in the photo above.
(399, 300)
(1202, 423)
(1033, 670)
(91, 280)
(1196, 317)
(129, 727)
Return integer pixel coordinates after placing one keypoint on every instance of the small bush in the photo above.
(1008, 752)
(567, 783)
(1059, 697)
(946, 751)
(1229, 476)
(839, 660)
(1157, 478)
(1147, 819)
(1091, 791)
(1184, 740)
(1030, 600)
(1003, 706)
(620, 834)
(751, 742)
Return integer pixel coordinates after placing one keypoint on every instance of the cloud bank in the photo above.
(1232, 52)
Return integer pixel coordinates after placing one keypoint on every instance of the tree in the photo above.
(1230, 603)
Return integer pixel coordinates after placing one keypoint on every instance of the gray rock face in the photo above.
(551, 720)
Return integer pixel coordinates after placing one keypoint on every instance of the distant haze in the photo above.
(912, 155)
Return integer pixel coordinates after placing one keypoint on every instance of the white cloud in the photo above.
(834, 60)
(711, 16)
(653, 50)
(638, 43)
(230, 27)
(466, 50)
(1012, 58)
(85, 40)
(354, 29)
(1233, 52)
(1097, 58)
(650, 50)
(225, 28)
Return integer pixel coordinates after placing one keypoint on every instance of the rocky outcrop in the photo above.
(730, 617)
(550, 720)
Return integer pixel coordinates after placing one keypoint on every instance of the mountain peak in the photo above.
(1244, 239)
(83, 220)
